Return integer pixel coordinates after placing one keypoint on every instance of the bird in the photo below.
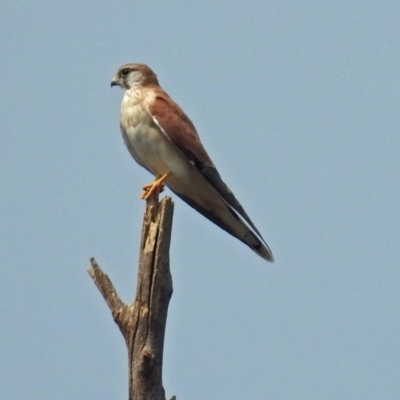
(162, 139)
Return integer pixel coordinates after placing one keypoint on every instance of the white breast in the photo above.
(148, 145)
(153, 150)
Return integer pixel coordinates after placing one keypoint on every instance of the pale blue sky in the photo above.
(298, 105)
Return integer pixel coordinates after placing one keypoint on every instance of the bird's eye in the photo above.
(125, 72)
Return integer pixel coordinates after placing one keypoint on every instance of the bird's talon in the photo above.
(146, 188)
(154, 188)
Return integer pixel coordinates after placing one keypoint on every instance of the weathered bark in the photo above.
(143, 323)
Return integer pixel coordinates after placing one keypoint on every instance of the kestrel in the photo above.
(162, 139)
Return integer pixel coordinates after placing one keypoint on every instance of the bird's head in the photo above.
(134, 75)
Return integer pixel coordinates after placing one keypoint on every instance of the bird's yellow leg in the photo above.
(154, 188)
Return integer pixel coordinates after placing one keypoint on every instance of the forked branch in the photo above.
(143, 323)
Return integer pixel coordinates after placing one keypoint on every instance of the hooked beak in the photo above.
(115, 81)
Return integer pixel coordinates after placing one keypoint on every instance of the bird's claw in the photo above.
(154, 188)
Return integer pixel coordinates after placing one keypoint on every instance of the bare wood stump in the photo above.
(143, 323)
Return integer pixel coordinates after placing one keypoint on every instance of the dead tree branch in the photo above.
(143, 323)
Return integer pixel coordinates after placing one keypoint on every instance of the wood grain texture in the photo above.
(143, 323)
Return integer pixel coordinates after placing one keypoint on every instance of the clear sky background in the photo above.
(297, 102)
